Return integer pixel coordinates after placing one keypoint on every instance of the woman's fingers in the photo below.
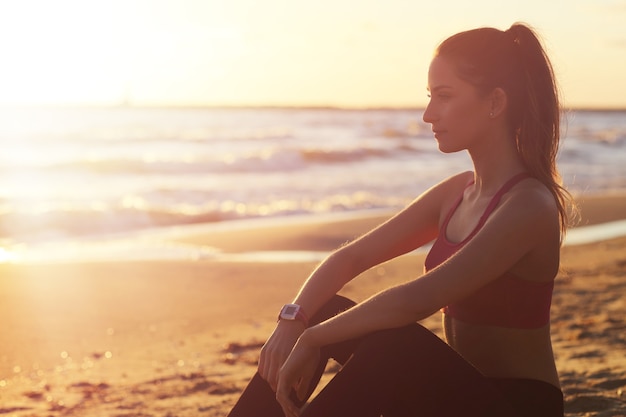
(296, 373)
(302, 388)
(269, 366)
(276, 351)
(272, 376)
(285, 385)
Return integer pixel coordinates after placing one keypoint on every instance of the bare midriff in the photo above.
(499, 352)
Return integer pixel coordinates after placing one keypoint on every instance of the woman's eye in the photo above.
(439, 96)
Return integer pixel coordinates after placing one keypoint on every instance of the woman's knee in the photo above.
(334, 306)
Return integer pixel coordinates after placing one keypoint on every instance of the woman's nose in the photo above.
(428, 115)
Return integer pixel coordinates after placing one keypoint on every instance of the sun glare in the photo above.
(6, 256)
(52, 56)
(76, 52)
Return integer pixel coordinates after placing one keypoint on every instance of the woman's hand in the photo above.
(277, 349)
(297, 373)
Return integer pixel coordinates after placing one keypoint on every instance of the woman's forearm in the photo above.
(394, 307)
(327, 279)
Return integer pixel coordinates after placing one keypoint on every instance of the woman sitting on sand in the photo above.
(497, 233)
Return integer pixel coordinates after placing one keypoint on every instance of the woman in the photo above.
(491, 269)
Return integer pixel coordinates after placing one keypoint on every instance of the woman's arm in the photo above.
(524, 221)
(411, 228)
(408, 230)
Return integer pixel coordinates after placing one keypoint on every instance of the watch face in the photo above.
(290, 311)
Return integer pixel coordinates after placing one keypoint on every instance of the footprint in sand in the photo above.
(243, 353)
(589, 403)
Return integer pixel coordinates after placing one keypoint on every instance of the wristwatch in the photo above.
(293, 312)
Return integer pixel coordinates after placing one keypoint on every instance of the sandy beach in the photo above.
(181, 337)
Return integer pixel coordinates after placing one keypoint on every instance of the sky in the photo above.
(346, 53)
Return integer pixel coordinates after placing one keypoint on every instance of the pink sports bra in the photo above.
(507, 301)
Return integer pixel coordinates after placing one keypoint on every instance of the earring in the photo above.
(491, 115)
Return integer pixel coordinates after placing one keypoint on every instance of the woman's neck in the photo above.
(495, 163)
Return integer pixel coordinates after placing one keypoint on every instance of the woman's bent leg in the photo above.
(407, 372)
(258, 399)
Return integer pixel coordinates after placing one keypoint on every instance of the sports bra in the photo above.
(507, 301)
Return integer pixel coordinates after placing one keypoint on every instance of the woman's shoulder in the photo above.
(531, 202)
(532, 194)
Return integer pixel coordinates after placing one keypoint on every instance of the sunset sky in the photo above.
(283, 52)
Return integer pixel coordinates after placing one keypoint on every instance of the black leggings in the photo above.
(404, 372)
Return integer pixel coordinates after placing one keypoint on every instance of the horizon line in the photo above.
(265, 107)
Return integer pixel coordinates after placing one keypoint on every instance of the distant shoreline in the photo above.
(297, 238)
(274, 107)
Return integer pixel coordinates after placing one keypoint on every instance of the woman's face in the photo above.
(458, 114)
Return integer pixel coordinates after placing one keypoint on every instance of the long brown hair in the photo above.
(515, 61)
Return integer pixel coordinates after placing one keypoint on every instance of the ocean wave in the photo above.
(80, 222)
(134, 213)
(610, 135)
(263, 160)
(354, 155)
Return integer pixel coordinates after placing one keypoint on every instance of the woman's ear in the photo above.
(498, 103)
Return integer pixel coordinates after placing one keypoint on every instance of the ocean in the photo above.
(68, 174)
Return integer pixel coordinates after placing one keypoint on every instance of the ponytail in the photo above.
(515, 61)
